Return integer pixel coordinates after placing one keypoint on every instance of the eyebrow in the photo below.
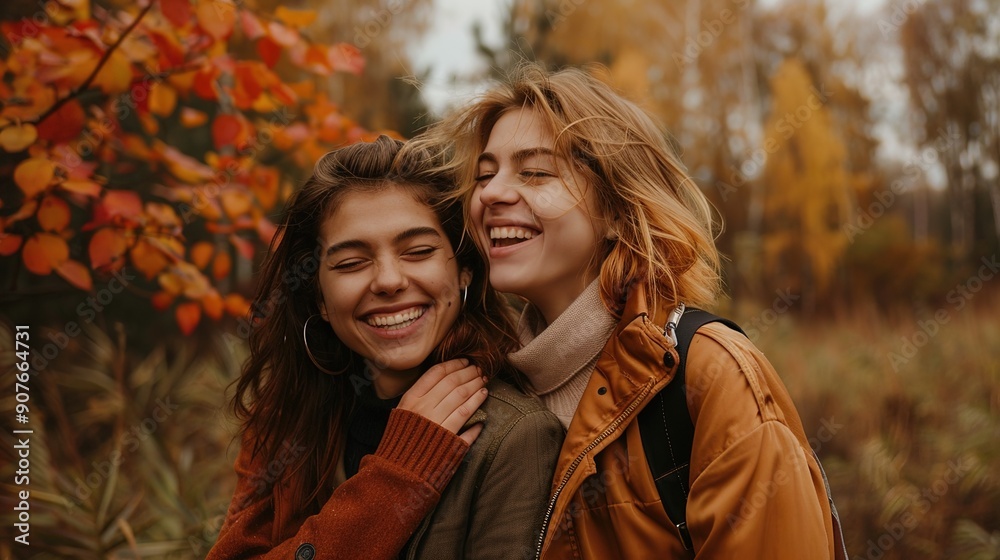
(519, 155)
(401, 236)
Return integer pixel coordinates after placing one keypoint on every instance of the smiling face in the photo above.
(536, 214)
(389, 280)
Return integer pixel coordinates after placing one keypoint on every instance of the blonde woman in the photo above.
(585, 211)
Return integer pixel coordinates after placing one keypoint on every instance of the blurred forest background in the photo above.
(852, 151)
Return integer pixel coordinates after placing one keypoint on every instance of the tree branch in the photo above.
(97, 69)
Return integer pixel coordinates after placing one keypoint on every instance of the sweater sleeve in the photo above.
(371, 515)
(507, 515)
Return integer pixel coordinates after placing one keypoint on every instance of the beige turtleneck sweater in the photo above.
(558, 359)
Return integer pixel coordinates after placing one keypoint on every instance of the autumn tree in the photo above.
(953, 77)
(161, 137)
(806, 183)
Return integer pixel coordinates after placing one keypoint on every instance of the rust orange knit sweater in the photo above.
(371, 515)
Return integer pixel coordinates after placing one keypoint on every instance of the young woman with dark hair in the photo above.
(375, 329)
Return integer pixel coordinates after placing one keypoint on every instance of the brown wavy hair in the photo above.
(661, 222)
(282, 396)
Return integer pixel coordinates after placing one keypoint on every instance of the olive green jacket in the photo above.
(494, 505)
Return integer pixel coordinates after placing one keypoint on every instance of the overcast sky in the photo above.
(448, 48)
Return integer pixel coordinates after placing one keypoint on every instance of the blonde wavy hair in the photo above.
(661, 223)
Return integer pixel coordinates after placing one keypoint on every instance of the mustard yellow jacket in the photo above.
(756, 490)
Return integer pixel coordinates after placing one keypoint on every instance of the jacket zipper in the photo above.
(576, 463)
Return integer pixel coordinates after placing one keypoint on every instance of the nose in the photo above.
(389, 278)
(501, 189)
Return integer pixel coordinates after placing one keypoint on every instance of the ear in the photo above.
(464, 278)
(322, 310)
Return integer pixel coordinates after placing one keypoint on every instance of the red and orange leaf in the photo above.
(17, 137)
(77, 274)
(53, 215)
(162, 99)
(346, 57)
(26, 211)
(216, 17)
(295, 18)
(149, 260)
(34, 175)
(243, 247)
(235, 202)
(264, 184)
(252, 27)
(237, 305)
(86, 188)
(161, 300)
(64, 125)
(269, 51)
(226, 131)
(178, 12)
(212, 302)
(221, 265)
(106, 247)
(163, 214)
(38, 98)
(317, 60)
(43, 252)
(191, 118)
(305, 89)
(9, 244)
(188, 314)
(116, 74)
(120, 203)
(171, 53)
(201, 253)
(283, 35)
(205, 85)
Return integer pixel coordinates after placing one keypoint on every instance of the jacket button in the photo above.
(602, 390)
(305, 552)
(668, 360)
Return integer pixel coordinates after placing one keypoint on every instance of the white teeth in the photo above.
(397, 321)
(511, 233)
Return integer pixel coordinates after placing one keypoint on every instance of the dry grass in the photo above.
(915, 462)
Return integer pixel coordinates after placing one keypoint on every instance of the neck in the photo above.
(390, 384)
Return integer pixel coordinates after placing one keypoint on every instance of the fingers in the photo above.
(464, 381)
(463, 409)
(435, 374)
(470, 435)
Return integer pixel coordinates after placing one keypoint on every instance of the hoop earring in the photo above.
(465, 295)
(305, 339)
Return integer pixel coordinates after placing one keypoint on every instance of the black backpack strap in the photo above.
(666, 419)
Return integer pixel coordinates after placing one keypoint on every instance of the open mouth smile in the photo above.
(510, 235)
(396, 321)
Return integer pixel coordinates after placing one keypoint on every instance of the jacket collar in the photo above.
(630, 369)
